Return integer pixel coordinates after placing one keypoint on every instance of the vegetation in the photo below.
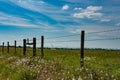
(60, 65)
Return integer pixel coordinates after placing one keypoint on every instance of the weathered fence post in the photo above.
(24, 46)
(15, 46)
(3, 48)
(42, 47)
(7, 47)
(34, 46)
(82, 48)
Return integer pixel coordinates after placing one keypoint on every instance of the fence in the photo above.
(83, 39)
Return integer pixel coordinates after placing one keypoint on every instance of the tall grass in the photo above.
(60, 65)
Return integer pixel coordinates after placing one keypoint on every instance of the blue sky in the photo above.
(28, 18)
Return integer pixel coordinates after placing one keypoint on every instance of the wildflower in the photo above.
(101, 78)
(79, 78)
(101, 71)
(91, 76)
(106, 74)
(73, 78)
(112, 76)
(8, 79)
(68, 72)
(48, 79)
(62, 79)
(86, 69)
(63, 73)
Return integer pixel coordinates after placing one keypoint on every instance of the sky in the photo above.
(21, 19)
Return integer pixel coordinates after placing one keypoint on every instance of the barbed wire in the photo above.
(62, 36)
(105, 31)
(117, 38)
(62, 41)
(97, 39)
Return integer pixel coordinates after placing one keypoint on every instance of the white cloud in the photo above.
(35, 5)
(11, 20)
(105, 20)
(52, 30)
(94, 8)
(75, 31)
(118, 24)
(89, 12)
(87, 28)
(47, 9)
(76, 1)
(87, 15)
(77, 8)
(65, 7)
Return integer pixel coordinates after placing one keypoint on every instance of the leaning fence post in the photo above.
(34, 46)
(15, 46)
(24, 46)
(42, 47)
(3, 48)
(82, 48)
(7, 47)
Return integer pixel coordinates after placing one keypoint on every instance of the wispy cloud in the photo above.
(87, 28)
(76, 1)
(11, 20)
(17, 21)
(53, 30)
(42, 7)
(77, 8)
(89, 12)
(118, 24)
(105, 20)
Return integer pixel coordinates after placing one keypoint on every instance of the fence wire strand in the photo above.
(117, 38)
(64, 36)
(61, 36)
(62, 41)
(105, 31)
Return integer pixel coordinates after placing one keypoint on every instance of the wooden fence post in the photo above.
(82, 48)
(3, 48)
(15, 46)
(7, 47)
(42, 47)
(34, 46)
(24, 46)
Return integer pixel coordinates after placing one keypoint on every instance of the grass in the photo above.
(60, 65)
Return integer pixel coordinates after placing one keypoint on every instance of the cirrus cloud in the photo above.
(89, 12)
(105, 20)
(118, 24)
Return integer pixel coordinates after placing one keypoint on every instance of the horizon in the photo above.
(22, 19)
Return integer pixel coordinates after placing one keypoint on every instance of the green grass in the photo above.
(60, 64)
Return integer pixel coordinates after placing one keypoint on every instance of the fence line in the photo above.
(104, 31)
(33, 42)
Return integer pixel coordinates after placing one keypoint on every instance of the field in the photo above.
(60, 65)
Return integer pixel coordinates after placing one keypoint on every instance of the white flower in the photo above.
(79, 78)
